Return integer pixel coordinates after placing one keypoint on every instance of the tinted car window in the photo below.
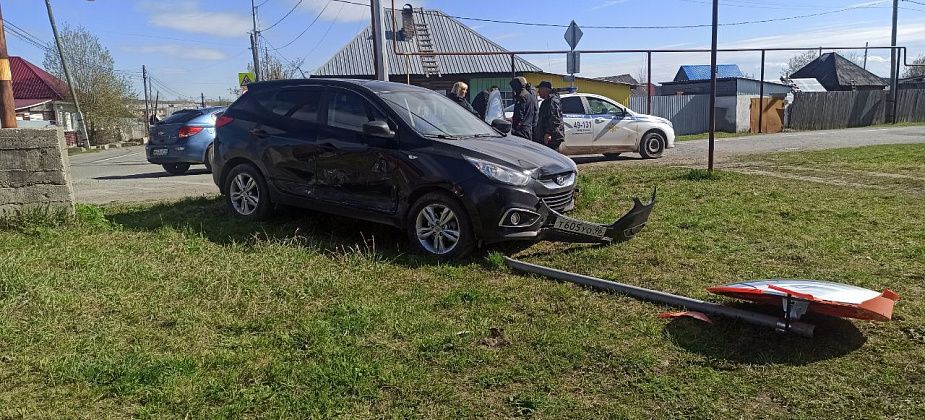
(572, 105)
(181, 116)
(600, 106)
(255, 102)
(347, 110)
(301, 104)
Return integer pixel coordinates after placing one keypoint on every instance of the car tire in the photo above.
(431, 230)
(176, 168)
(652, 145)
(208, 159)
(248, 196)
(612, 155)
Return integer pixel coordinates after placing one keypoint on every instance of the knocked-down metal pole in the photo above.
(799, 328)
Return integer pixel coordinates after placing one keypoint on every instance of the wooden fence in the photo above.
(832, 110)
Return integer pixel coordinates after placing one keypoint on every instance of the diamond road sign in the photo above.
(573, 35)
(246, 78)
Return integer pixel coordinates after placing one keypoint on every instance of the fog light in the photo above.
(515, 218)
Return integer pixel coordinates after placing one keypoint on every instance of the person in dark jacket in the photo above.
(480, 103)
(550, 129)
(458, 95)
(524, 118)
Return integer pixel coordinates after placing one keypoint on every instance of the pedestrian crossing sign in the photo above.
(246, 78)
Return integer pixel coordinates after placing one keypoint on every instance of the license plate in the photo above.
(577, 226)
(158, 152)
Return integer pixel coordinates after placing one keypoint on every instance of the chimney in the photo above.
(407, 21)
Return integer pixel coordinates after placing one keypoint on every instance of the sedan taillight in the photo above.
(188, 131)
(223, 120)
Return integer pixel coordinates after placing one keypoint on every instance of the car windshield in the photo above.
(434, 115)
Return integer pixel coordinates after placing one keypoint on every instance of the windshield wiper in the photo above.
(478, 136)
(442, 136)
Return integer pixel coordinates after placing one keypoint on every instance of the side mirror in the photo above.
(378, 129)
(501, 125)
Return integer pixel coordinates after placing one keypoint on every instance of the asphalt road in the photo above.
(123, 175)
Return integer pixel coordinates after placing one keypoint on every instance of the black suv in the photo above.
(394, 154)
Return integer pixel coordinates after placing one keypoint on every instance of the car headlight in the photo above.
(500, 173)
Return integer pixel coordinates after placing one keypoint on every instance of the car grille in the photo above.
(559, 202)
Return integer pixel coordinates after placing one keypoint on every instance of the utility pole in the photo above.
(7, 105)
(894, 68)
(67, 74)
(144, 81)
(379, 61)
(202, 96)
(254, 42)
(157, 99)
(865, 54)
(712, 121)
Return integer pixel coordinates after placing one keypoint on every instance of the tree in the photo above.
(916, 71)
(797, 62)
(101, 90)
(272, 68)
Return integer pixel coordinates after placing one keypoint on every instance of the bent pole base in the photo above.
(779, 324)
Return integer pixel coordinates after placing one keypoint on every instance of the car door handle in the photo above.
(600, 120)
(260, 133)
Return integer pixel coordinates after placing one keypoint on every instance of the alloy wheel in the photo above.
(437, 229)
(245, 195)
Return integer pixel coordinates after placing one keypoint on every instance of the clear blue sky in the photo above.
(194, 46)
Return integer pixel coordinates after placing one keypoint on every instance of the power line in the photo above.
(291, 62)
(284, 16)
(309, 25)
(916, 2)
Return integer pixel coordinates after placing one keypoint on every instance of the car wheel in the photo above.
(248, 196)
(612, 155)
(652, 145)
(439, 226)
(176, 168)
(208, 160)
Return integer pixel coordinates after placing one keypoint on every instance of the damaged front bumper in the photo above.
(560, 228)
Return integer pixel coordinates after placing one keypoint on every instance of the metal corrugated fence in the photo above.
(688, 113)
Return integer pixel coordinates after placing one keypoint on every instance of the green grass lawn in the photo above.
(175, 309)
(718, 135)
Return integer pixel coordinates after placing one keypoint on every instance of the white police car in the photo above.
(595, 124)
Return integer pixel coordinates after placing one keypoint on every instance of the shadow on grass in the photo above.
(732, 341)
(210, 218)
(580, 160)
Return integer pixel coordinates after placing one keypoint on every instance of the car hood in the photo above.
(518, 153)
(651, 118)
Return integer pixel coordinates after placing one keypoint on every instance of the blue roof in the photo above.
(702, 72)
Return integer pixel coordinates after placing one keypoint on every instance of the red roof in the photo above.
(31, 82)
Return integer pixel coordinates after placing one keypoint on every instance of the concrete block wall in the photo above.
(34, 171)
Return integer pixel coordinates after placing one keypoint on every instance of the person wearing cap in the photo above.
(550, 129)
(524, 118)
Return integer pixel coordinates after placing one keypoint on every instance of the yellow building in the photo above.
(617, 91)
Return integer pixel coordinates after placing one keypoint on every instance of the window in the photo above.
(181, 117)
(572, 105)
(348, 110)
(601, 107)
(300, 104)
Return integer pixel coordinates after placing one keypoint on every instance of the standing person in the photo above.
(549, 128)
(458, 95)
(480, 103)
(524, 117)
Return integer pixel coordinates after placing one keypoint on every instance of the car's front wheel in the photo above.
(652, 145)
(176, 168)
(248, 196)
(439, 226)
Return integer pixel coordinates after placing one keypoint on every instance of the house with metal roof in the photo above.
(702, 72)
(40, 99)
(837, 73)
(421, 30)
